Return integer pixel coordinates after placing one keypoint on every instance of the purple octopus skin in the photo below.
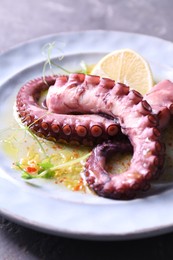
(160, 97)
(92, 94)
(74, 129)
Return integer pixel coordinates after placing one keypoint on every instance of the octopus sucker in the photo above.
(55, 128)
(96, 130)
(112, 130)
(81, 130)
(67, 130)
(73, 112)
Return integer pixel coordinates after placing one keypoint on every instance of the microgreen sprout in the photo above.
(27, 128)
(47, 51)
(52, 63)
(37, 140)
(84, 68)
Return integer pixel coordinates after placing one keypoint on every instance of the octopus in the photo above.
(109, 116)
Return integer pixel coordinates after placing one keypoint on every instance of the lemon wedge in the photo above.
(128, 67)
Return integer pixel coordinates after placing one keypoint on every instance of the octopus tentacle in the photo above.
(161, 99)
(79, 129)
(95, 167)
(136, 120)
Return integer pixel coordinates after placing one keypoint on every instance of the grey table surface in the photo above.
(23, 20)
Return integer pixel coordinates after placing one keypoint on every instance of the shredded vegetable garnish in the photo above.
(45, 168)
(35, 157)
(45, 159)
(67, 173)
(61, 163)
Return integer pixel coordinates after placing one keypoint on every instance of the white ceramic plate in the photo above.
(56, 210)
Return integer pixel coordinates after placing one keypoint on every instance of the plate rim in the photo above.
(83, 235)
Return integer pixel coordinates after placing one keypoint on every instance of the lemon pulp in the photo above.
(128, 67)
